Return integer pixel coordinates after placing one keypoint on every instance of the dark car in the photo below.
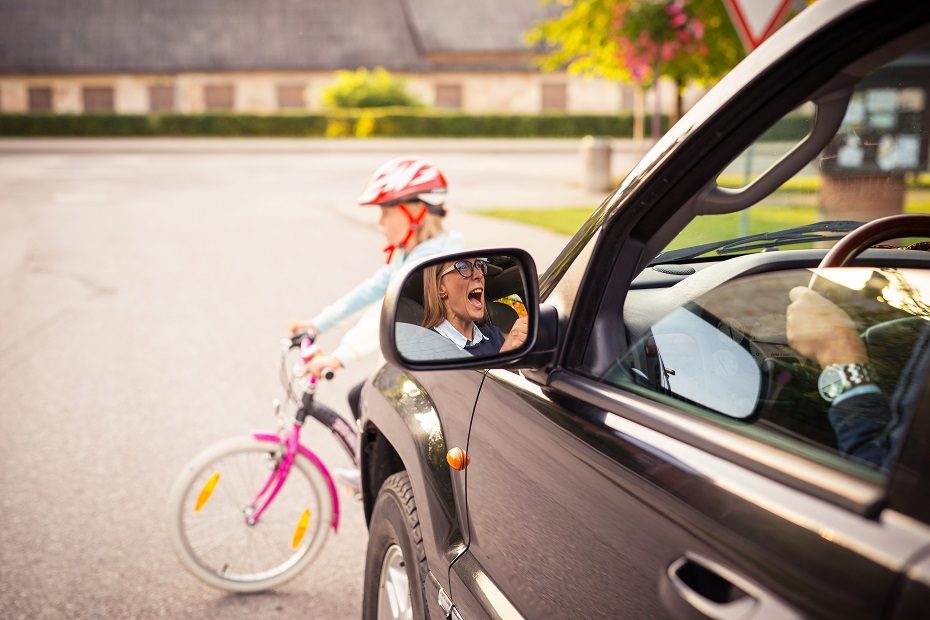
(719, 407)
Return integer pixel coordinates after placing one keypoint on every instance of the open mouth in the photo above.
(476, 298)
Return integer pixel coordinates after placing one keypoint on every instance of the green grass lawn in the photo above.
(784, 209)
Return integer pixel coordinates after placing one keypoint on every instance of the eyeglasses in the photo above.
(467, 268)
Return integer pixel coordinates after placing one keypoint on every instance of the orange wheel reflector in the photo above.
(457, 459)
(206, 491)
(301, 529)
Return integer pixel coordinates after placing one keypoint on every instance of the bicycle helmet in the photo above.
(406, 179)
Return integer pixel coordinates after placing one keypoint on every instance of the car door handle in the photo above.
(695, 587)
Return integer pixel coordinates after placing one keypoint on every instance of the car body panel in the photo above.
(612, 497)
(398, 405)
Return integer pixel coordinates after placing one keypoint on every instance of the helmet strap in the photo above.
(413, 227)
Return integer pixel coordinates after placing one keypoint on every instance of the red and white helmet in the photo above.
(406, 179)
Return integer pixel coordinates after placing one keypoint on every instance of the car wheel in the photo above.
(395, 565)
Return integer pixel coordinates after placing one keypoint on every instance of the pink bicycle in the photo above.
(250, 513)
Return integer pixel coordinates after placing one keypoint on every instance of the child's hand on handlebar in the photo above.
(321, 363)
(304, 326)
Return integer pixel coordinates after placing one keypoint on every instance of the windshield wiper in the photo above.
(788, 236)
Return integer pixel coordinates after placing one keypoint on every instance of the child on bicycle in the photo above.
(411, 194)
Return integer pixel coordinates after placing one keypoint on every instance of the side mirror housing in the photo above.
(476, 308)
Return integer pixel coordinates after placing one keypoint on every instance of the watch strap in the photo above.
(849, 376)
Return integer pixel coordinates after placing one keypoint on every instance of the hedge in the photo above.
(363, 123)
(791, 128)
(355, 123)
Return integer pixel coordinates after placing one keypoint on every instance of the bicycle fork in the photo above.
(277, 478)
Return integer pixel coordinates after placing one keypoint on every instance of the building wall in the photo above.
(513, 92)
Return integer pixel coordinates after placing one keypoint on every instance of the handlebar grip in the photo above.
(298, 338)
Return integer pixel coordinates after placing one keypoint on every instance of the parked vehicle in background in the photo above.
(681, 434)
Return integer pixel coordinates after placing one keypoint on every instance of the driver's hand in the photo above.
(820, 330)
(320, 363)
(304, 326)
(517, 335)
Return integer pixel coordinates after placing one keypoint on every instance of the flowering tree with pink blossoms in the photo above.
(688, 41)
(659, 38)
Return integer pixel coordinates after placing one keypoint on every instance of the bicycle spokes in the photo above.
(206, 491)
(301, 529)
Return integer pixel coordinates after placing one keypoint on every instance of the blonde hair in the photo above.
(434, 306)
(430, 227)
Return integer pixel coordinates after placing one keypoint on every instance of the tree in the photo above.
(640, 42)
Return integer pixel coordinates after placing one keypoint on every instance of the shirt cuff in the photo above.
(869, 388)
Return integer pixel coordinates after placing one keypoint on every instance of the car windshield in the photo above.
(874, 165)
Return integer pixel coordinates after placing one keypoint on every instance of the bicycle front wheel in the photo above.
(212, 500)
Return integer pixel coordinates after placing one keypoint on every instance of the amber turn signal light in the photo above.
(457, 459)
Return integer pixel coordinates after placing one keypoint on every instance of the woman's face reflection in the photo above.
(462, 296)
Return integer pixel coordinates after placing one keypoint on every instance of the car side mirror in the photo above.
(470, 309)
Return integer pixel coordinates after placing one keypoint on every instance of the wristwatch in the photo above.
(836, 379)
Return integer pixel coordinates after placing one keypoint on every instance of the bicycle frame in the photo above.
(279, 475)
(292, 447)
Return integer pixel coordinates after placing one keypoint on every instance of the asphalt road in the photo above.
(144, 286)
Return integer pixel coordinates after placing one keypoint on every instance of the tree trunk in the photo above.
(656, 113)
(679, 102)
(639, 113)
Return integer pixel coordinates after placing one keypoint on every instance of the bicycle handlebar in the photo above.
(298, 338)
(304, 340)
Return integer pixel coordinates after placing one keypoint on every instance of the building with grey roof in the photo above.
(136, 56)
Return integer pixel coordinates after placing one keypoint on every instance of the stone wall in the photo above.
(254, 92)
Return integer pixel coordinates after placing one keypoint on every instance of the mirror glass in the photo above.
(467, 307)
(705, 363)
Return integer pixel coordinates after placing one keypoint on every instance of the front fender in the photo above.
(398, 407)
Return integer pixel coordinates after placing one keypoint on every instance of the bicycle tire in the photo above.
(217, 545)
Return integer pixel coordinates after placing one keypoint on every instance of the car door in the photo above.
(589, 500)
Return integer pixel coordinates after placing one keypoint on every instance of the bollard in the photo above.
(595, 161)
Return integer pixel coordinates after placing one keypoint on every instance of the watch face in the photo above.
(832, 383)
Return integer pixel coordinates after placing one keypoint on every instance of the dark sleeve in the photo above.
(494, 335)
(862, 425)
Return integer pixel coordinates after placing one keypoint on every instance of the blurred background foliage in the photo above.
(363, 88)
(640, 42)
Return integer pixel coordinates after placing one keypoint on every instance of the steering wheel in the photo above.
(882, 229)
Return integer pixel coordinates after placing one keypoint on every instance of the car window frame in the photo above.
(596, 333)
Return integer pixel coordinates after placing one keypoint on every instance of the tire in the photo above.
(395, 557)
(218, 546)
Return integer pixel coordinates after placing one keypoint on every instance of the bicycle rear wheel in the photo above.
(211, 501)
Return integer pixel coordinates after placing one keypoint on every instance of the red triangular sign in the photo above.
(756, 20)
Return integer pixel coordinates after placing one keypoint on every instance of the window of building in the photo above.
(291, 96)
(449, 96)
(161, 98)
(97, 98)
(219, 96)
(554, 97)
(40, 99)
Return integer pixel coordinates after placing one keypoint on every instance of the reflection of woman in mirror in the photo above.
(455, 307)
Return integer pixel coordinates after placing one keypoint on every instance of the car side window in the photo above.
(755, 354)
(566, 289)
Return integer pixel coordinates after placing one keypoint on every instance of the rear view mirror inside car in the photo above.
(472, 309)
